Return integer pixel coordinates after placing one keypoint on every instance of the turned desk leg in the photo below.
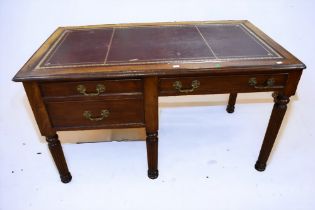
(59, 158)
(231, 105)
(152, 124)
(152, 154)
(275, 121)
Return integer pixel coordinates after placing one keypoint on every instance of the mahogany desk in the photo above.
(110, 76)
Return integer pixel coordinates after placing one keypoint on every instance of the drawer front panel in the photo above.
(221, 84)
(91, 88)
(95, 114)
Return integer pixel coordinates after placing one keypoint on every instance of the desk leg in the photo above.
(231, 105)
(152, 153)
(151, 123)
(275, 121)
(59, 158)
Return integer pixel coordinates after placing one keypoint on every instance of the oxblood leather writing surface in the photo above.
(80, 46)
(157, 44)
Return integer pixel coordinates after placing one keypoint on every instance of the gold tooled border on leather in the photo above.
(258, 40)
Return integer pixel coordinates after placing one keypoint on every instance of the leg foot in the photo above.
(231, 104)
(59, 158)
(230, 108)
(260, 166)
(66, 178)
(153, 174)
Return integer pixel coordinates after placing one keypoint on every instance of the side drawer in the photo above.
(221, 84)
(86, 89)
(113, 113)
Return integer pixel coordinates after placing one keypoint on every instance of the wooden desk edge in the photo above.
(27, 72)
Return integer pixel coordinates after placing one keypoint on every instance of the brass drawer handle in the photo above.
(178, 86)
(88, 115)
(270, 83)
(99, 89)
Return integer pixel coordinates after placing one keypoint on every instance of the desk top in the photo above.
(160, 48)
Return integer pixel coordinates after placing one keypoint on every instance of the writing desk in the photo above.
(110, 76)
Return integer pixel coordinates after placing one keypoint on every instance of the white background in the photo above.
(206, 155)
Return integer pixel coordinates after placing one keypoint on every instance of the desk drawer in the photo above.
(66, 115)
(87, 89)
(221, 84)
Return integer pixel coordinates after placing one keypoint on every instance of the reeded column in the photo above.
(275, 121)
(59, 158)
(152, 124)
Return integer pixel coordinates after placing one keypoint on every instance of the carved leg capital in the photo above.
(53, 141)
(152, 137)
(280, 100)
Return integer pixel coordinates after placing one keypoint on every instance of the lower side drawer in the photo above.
(113, 113)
